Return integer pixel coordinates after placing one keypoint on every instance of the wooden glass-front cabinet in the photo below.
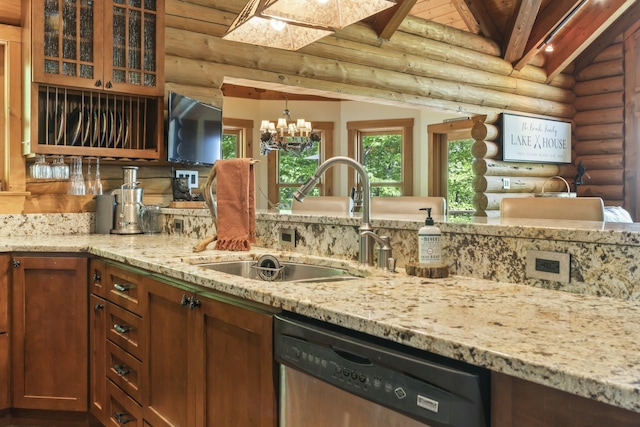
(97, 78)
(111, 44)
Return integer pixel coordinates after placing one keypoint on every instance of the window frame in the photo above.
(439, 136)
(357, 129)
(243, 129)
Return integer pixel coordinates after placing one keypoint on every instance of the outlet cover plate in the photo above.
(546, 265)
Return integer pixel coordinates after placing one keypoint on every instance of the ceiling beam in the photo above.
(548, 19)
(622, 24)
(473, 14)
(523, 16)
(582, 32)
(388, 21)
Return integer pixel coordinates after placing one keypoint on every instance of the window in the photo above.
(236, 141)
(288, 171)
(385, 149)
(450, 164)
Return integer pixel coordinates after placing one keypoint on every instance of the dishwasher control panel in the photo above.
(363, 378)
(434, 393)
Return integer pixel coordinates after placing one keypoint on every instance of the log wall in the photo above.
(599, 125)
(491, 173)
(422, 66)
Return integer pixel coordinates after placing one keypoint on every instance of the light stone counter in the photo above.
(582, 344)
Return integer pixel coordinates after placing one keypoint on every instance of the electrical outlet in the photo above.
(545, 265)
(178, 226)
(288, 238)
(192, 177)
(506, 183)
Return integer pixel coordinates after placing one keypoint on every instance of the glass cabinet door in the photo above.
(134, 61)
(67, 31)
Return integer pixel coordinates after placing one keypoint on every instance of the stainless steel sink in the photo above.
(280, 271)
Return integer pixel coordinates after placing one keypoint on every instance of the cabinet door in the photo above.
(4, 335)
(168, 399)
(49, 333)
(67, 42)
(235, 369)
(135, 61)
(97, 359)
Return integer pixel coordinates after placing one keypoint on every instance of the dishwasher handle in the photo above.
(351, 357)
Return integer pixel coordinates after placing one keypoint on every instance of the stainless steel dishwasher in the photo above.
(334, 377)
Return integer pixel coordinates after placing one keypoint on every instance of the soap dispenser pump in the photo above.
(429, 246)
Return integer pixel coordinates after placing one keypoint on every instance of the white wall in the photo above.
(340, 113)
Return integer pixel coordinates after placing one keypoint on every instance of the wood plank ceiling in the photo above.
(524, 28)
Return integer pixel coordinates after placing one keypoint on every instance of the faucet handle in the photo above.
(391, 264)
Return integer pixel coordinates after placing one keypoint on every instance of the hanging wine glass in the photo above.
(97, 183)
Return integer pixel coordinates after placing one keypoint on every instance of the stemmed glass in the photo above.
(89, 182)
(97, 183)
(76, 180)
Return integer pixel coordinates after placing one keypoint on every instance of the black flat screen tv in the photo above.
(194, 132)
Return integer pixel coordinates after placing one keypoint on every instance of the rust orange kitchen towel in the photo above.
(235, 204)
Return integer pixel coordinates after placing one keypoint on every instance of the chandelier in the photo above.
(296, 136)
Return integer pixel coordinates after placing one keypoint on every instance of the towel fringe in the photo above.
(233, 245)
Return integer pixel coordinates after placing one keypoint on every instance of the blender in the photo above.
(128, 203)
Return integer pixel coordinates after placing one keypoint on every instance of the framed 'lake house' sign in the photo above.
(529, 139)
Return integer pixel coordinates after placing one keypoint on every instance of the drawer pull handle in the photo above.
(193, 303)
(121, 288)
(96, 276)
(122, 370)
(190, 302)
(120, 417)
(98, 307)
(123, 329)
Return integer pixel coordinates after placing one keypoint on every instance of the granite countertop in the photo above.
(585, 345)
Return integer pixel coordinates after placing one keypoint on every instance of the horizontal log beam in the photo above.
(599, 146)
(599, 86)
(499, 168)
(600, 116)
(212, 50)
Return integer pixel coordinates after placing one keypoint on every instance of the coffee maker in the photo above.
(128, 203)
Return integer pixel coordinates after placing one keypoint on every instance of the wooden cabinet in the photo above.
(113, 44)
(175, 356)
(97, 340)
(210, 360)
(168, 385)
(4, 332)
(97, 77)
(49, 333)
(117, 364)
(234, 368)
(516, 402)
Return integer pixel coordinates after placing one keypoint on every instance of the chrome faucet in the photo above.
(366, 231)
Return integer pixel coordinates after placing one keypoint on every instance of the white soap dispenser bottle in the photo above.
(429, 246)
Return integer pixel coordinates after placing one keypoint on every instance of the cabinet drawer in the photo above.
(97, 278)
(123, 288)
(124, 370)
(124, 329)
(121, 409)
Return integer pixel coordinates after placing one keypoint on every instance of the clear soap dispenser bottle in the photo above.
(429, 245)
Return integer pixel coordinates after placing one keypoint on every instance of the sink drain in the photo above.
(269, 268)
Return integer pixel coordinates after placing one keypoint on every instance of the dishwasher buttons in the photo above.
(400, 393)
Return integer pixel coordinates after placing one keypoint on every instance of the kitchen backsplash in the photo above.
(602, 260)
